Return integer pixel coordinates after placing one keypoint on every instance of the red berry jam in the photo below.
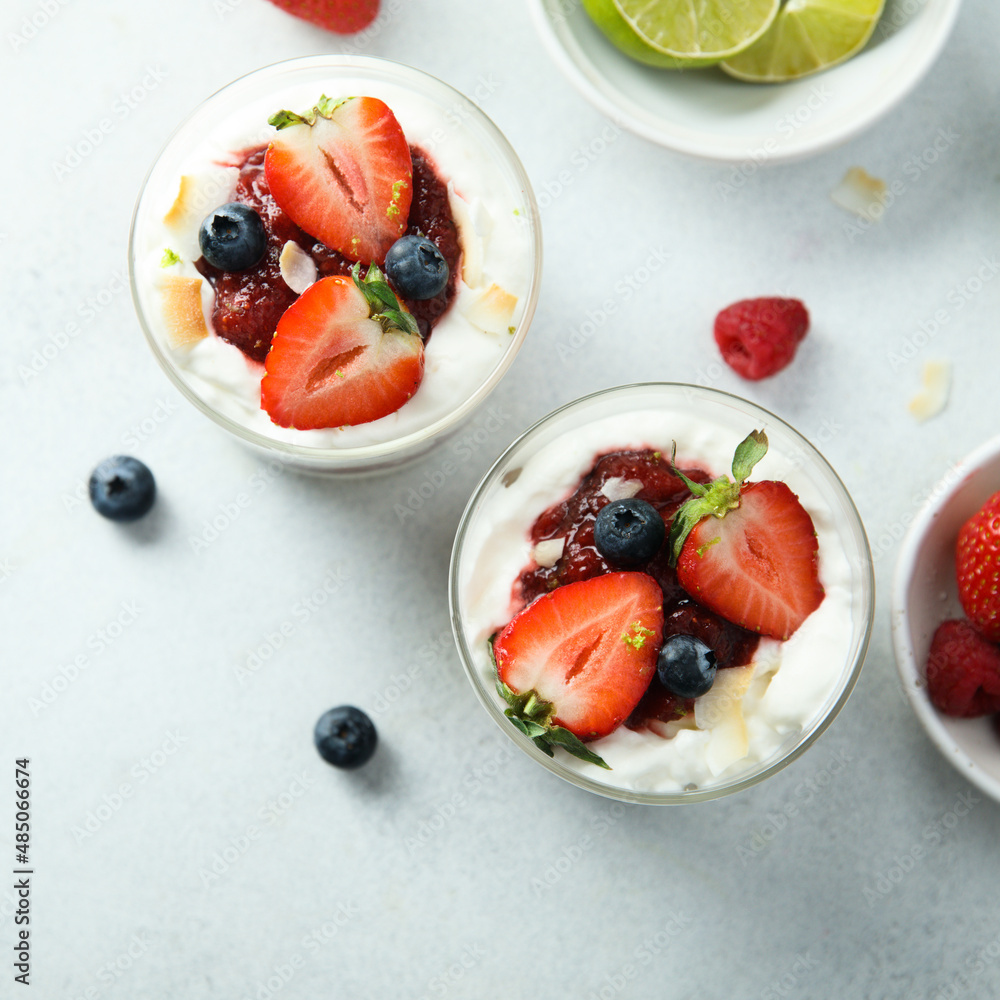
(248, 304)
(573, 519)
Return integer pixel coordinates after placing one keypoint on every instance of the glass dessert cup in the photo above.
(817, 667)
(499, 229)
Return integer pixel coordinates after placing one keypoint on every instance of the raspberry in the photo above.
(963, 671)
(759, 337)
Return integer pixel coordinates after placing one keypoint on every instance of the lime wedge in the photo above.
(698, 29)
(608, 18)
(807, 36)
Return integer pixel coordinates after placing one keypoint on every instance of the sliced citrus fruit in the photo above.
(608, 18)
(698, 29)
(805, 37)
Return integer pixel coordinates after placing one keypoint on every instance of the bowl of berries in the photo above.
(336, 258)
(662, 593)
(946, 616)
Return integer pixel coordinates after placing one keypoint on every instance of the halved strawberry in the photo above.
(748, 551)
(575, 662)
(344, 353)
(343, 173)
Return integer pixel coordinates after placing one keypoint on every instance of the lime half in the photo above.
(608, 18)
(807, 36)
(698, 29)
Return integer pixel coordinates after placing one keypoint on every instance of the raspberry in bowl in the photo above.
(336, 258)
(681, 661)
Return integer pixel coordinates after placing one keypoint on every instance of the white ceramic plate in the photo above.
(924, 594)
(707, 114)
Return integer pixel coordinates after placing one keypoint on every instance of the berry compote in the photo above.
(248, 304)
(573, 519)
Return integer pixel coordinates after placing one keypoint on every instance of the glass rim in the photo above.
(847, 679)
(408, 444)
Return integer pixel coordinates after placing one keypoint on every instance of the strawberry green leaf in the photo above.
(748, 453)
(574, 745)
(323, 108)
(382, 301)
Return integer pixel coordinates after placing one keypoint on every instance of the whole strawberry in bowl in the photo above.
(945, 612)
(336, 258)
(662, 593)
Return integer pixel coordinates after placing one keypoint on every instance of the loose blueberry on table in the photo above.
(651, 596)
(122, 488)
(345, 737)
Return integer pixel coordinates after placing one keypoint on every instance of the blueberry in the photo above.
(345, 736)
(416, 268)
(232, 238)
(122, 488)
(686, 666)
(629, 532)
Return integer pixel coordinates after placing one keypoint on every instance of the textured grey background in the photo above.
(188, 842)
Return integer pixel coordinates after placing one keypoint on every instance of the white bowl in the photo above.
(707, 114)
(924, 594)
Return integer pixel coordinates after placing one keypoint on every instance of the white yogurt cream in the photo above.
(498, 232)
(789, 685)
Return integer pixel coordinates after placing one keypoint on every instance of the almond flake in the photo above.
(931, 399)
(620, 488)
(861, 194)
(548, 552)
(297, 268)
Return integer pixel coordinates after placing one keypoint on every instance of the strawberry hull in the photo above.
(464, 171)
(774, 698)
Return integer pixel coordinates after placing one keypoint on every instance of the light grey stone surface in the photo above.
(187, 840)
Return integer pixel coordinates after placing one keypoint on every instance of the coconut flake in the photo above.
(492, 311)
(548, 551)
(620, 488)
(933, 397)
(297, 268)
(183, 312)
(474, 225)
(720, 710)
(862, 194)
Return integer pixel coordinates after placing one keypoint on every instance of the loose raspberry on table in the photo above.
(963, 671)
(759, 337)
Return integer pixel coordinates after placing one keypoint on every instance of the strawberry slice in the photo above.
(575, 662)
(343, 173)
(748, 551)
(344, 352)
